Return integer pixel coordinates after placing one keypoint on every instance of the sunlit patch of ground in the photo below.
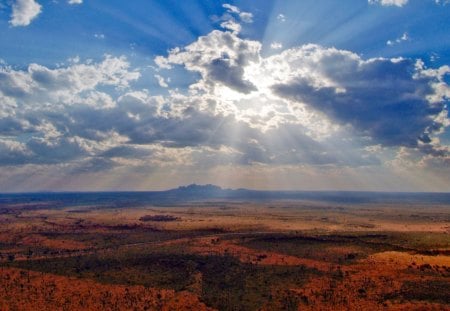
(214, 245)
(397, 260)
(42, 241)
(377, 283)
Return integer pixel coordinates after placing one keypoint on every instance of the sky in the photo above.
(276, 94)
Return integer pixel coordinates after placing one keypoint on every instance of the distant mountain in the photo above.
(194, 191)
(194, 188)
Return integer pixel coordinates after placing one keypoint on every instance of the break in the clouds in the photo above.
(199, 110)
(24, 11)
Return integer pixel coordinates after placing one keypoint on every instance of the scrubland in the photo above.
(279, 255)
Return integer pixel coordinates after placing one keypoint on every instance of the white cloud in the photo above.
(220, 57)
(47, 104)
(276, 45)
(24, 11)
(404, 37)
(245, 17)
(398, 3)
(281, 17)
(231, 25)
(75, 1)
(82, 76)
(231, 8)
(161, 81)
(39, 87)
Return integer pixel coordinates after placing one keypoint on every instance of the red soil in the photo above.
(26, 290)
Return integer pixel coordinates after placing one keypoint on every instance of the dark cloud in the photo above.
(12, 84)
(12, 126)
(93, 165)
(56, 150)
(382, 99)
(126, 151)
(13, 153)
(220, 70)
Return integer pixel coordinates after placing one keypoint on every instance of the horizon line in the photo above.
(221, 188)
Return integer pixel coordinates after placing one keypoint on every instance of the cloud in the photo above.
(281, 17)
(36, 107)
(398, 3)
(220, 57)
(81, 77)
(385, 99)
(401, 39)
(13, 153)
(231, 25)
(75, 1)
(24, 11)
(245, 17)
(305, 106)
(276, 45)
(161, 81)
(231, 8)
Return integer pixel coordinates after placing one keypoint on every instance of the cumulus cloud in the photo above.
(24, 11)
(75, 1)
(81, 77)
(380, 98)
(36, 102)
(392, 102)
(398, 3)
(220, 57)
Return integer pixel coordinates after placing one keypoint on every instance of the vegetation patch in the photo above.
(431, 291)
(162, 218)
(226, 283)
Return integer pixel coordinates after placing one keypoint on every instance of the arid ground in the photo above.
(225, 255)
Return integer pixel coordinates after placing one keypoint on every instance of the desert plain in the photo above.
(225, 255)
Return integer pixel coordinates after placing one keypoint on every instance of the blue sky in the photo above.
(315, 95)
